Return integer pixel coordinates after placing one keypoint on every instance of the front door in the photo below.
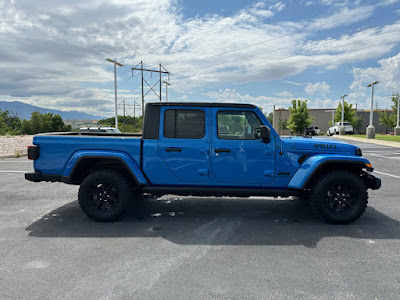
(238, 156)
(184, 142)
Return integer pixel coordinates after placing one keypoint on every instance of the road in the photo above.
(196, 248)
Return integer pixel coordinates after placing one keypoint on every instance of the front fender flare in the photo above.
(314, 163)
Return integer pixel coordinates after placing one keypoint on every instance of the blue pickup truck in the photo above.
(206, 149)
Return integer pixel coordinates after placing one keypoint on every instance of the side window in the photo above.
(237, 125)
(184, 124)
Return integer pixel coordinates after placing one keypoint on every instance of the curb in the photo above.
(371, 141)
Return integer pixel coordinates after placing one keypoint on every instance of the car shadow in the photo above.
(216, 221)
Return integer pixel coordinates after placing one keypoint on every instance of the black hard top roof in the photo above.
(202, 104)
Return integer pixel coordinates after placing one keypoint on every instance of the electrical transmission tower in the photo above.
(161, 71)
(124, 105)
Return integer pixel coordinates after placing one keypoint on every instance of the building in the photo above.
(322, 117)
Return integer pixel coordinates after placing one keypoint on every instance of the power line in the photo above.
(279, 37)
(278, 49)
(151, 87)
(295, 54)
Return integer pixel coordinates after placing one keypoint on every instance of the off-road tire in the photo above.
(104, 195)
(340, 197)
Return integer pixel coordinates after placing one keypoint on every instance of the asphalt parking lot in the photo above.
(198, 248)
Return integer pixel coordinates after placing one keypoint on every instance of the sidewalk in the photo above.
(371, 141)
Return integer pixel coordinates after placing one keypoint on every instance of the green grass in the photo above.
(389, 138)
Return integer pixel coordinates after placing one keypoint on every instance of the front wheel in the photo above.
(104, 195)
(340, 197)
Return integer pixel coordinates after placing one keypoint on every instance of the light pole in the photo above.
(397, 128)
(166, 90)
(371, 128)
(115, 88)
(341, 127)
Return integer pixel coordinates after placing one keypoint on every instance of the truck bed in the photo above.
(59, 147)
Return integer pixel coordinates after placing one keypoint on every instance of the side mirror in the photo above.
(265, 134)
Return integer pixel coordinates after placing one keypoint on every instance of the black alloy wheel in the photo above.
(104, 195)
(339, 196)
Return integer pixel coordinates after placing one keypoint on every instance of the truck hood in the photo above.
(321, 145)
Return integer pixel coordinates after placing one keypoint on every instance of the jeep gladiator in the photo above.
(204, 149)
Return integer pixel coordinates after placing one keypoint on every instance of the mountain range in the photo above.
(23, 111)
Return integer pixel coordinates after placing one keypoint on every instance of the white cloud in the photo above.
(54, 51)
(284, 94)
(388, 74)
(232, 95)
(318, 87)
(293, 83)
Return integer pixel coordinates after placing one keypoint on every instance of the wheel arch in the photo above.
(81, 164)
(316, 165)
(355, 167)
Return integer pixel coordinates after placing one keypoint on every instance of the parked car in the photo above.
(312, 130)
(348, 128)
(204, 149)
(99, 129)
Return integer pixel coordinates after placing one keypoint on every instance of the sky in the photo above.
(266, 53)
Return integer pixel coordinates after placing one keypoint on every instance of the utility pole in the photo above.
(166, 89)
(371, 128)
(397, 128)
(134, 108)
(151, 87)
(124, 105)
(341, 127)
(115, 88)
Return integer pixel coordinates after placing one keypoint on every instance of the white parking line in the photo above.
(6, 171)
(15, 161)
(380, 155)
(386, 174)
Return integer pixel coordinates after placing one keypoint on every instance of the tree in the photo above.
(299, 117)
(9, 124)
(349, 114)
(390, 121)
(3, 128)
(40, 123)
(282, 124)
(125, 124)
(270, 117)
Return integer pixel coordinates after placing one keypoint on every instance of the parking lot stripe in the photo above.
(6, 171)
(15, 161)
(395, 176)
(382, 156)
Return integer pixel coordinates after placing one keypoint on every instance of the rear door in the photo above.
(238, 157)
(184, 142)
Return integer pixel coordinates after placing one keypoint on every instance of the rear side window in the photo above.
(184, 124)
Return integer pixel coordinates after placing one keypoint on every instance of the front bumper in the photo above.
(371, 181)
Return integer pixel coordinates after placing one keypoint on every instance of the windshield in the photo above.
(113, 130)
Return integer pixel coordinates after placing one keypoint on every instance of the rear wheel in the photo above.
(340, 197)
(104, 195)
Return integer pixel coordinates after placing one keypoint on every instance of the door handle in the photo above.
(173, 149)
(222, 150)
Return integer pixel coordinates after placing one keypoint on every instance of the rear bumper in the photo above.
(371, 181)
(37, 177)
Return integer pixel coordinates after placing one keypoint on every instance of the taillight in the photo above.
(33, 152)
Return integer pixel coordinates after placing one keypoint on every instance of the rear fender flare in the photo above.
(122, 157)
